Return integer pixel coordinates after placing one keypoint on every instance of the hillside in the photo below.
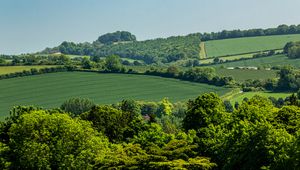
(268, 62)
(51, 90)
(216, 48)
(177, 48)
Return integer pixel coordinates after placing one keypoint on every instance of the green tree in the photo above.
(113, 63)
(86, 63)
(204, 110)
(76, 106)
(40, 140)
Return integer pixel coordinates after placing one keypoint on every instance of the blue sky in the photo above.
(32, 25)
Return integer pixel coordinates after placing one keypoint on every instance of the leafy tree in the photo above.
(113, 63)
(86, 63)
(165, 107)
(119, 36)
(76, 106)
(40, 140)
(204, 110)
(116, 124)
(228, 106)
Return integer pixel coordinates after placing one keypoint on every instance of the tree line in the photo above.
(225, 34)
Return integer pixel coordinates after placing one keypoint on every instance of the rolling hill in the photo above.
(50, 90)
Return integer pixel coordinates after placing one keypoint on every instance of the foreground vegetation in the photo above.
(204, 134)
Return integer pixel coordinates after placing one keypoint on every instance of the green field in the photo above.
(50, 90)
(244, 74)
(268, 62)
(239, 98)
(13, 69)
(225, 47)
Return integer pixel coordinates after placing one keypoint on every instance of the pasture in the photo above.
(241, 75)
(13, 69)
(239, 97)
(267, 62)
(51, 90)
(216, 48)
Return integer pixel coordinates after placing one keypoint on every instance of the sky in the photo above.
(32, 25)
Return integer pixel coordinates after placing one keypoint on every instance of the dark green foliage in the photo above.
(288, 79)
(124, 44)
(116, 124)
(204, 110)
(292, 49)
(119, 36)
(76, 106)
(280, 30)
(228, 106)
(288, 118)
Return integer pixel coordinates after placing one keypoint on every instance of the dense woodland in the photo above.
(202, 134)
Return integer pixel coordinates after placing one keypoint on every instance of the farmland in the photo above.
(13, 69)
(225, 47)
(239, 97)
(245, 74)
(267, 62)
(50, 90)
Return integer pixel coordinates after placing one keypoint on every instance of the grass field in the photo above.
(217, 48)
(276, 60)
(50, 90)
(239, 97)
(13, 69)
(243, 74)
(233, 57)
(202, 50)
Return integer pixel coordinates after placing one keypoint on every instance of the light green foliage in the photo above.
(224, 47)
(13, 69)
(165, 107)
(40, 140)
(153, 135)
(4, 150)
(51, 90)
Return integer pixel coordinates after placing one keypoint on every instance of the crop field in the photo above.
(13, 69)
(239, 97)
(244, 74)
(225, 47)
(51, 90)
(277, 60)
